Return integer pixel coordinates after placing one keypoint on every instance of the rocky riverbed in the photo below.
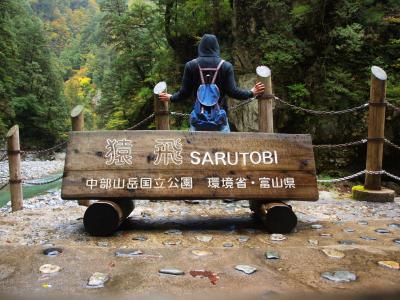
(203, 247)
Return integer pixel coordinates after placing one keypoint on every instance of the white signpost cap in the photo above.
(379, 73)
(160, 87)
(263, 71)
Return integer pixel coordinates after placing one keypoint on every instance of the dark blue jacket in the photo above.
(209, 57)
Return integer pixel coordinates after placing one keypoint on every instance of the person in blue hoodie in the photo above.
(208, 58)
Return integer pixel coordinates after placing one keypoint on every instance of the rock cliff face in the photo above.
(244, 118)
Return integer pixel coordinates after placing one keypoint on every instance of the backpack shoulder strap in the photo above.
(201, 73)
(209, 69)
(216, 71)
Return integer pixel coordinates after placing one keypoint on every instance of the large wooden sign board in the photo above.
(188, 165)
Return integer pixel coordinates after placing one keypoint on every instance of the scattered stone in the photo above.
(362, 223)
(202, 273)
(272, 255)
(313, 242)
(382, 230)
(339, 276)
(128, 253)
(46, 285)
(396, 241)
(316, 226)
(172, 243)
(245, 205)
(102, 243)
(332, 253)
(173, 231)
(348, 230)
(227, 245)
(389, 264)
(347, 242)
(52, 251)
(277, 237)
(394, 225)
(171, 271)
(97, 280)
(204, 238)
(49, 269)
(173, 209)
(141, 238)
(367, 238)
(246, 269)
(243, 239)
(201, 252)
(326, 235)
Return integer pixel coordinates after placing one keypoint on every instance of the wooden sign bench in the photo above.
(115, 167)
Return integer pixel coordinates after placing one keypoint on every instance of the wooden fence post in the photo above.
(376, 128)
(78, 124)
(14, 163)
(265, 102)
(161, 108)
(77, 118)
(376, 134)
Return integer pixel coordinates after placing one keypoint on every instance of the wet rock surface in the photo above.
(165, 236)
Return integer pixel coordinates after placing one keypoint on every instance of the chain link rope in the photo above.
(4, 157)
(58, 146)
(141, 122)
(392, 106)
(390, 143)
(381, 172)
(349, 144)
(392, 176)
(42, 182)
(237, 106)
(4, 186)
(321, 112)
(179, 114)
(341, 178)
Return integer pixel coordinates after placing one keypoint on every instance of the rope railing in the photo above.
(349, 144)
(358, 174)
(30, 182)
(141, 122)
(320, 112)
(3, 186)
(390, 143)
(42, 151)
(392, 106)
(41, 181)
(3, 157)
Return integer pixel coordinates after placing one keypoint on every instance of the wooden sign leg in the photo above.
(103, 218)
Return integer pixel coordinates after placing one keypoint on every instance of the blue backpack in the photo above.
(206, 114)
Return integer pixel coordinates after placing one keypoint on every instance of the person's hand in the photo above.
(258, 89)
(164, 97)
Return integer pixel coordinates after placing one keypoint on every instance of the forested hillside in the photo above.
(108, 54)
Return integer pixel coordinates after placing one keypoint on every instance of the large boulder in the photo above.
(245, 118)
